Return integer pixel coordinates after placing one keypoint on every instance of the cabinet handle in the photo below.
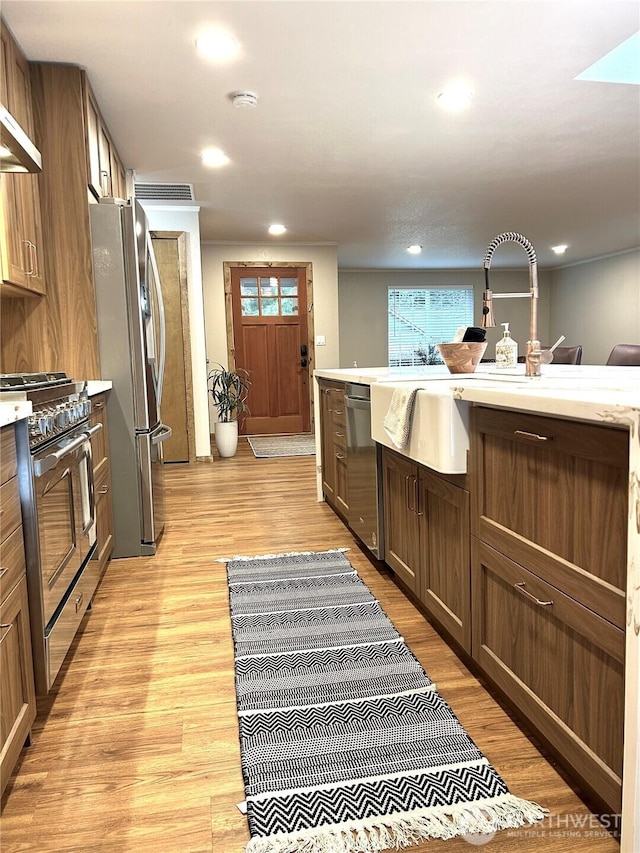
(340, 434)
(78, 601)
(416, 493)
(338, 411)
(521, 588)
(103, 490)
(34, 265)
(30, 248)
(6, 629)
(532, 436)
(340, 456)
(99, 405)
(407, 479)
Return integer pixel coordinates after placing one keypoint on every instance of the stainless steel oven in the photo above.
(55, 472)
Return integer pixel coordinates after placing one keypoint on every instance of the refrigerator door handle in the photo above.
(162, 433)
(160, 303)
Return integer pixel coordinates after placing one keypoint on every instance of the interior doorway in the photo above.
(177, 396)
(269, 312)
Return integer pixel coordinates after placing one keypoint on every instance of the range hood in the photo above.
(18, 153)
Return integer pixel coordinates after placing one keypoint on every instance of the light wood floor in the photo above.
(136, 749)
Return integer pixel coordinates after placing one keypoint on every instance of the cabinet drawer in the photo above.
(339, 434)
(604, 444)
(12, 562)
(560, 663)
(10, 514)
(8, 461)
(340, 416)
(553, 496)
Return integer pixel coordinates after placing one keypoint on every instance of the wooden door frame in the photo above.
(181, 238)
(307, 266)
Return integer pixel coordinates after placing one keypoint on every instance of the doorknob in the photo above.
(304, 362)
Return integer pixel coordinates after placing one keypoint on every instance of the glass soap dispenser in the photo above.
(506, 350)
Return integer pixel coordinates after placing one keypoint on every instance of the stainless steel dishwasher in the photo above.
(364, 466)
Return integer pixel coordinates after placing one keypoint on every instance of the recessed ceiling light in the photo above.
(277, 228)
(414, 250)
(214, 157)
(455, 97)
(560, 250)
(217, 45)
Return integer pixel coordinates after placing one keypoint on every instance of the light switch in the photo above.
(321, 340)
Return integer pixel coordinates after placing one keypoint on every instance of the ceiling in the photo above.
(348, 145)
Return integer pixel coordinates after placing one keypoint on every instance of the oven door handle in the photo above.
(41, 466)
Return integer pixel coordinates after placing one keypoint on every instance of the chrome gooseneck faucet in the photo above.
(532, 360)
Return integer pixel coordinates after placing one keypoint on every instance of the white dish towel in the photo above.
(397, 421)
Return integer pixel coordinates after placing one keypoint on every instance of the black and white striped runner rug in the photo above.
(346, 744)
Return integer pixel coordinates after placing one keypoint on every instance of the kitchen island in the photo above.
(587, 408)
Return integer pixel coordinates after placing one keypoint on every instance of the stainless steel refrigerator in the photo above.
(131, 337)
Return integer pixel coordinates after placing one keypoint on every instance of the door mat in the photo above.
(265, 446)
(346, 744)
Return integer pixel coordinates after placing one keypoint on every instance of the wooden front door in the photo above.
(271, 342)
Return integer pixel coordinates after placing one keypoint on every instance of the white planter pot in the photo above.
(226, 435)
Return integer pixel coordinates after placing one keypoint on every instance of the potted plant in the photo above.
(229, 390)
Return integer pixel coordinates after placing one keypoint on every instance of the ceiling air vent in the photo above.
(163, 192)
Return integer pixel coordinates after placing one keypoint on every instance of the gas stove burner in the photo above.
(24, 381)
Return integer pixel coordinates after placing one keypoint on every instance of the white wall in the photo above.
(325, 291)
(363, 307)
(179, 218)
(597, 304)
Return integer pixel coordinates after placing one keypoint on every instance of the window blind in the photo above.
(421, 317)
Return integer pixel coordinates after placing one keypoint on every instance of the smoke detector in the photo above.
(244, 100)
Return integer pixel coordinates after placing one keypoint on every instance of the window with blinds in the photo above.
(421, 317)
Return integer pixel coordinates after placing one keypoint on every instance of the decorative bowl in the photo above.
(463, 357)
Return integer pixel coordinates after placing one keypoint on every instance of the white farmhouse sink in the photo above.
(439, 435)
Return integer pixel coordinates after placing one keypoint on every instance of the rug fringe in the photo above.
(239, 557)
(399, 831)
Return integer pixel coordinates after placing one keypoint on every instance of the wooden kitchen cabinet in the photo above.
(17, 688)
(102, 481)
(401, 523)
(427, 540)
(21, 243)
(106, 175)
(333, 426)
(549, 517)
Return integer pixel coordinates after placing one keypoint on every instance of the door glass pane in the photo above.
(248, 286)
(250, 307)
(289, 289)
(270, 307)
(289, 306)
(269, 286)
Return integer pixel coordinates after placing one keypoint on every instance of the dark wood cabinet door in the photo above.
(553, 495)
(445, 579)
(402, 529)
(328, 456)
(561, 664)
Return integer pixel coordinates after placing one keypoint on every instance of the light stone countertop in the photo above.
(98, 386)
(14, 409)
(581, 392)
